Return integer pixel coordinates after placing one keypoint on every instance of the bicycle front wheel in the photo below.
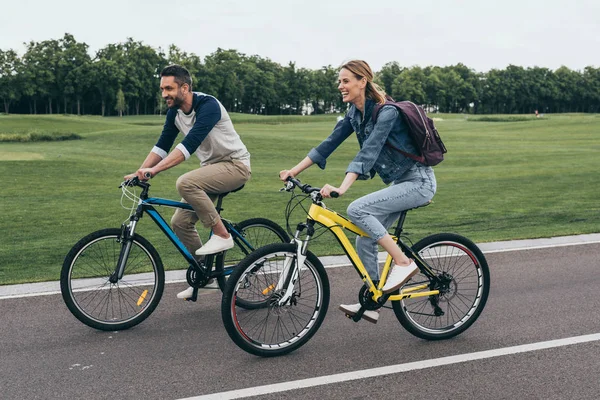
(464, 284)
(86, 287)
(286, 319)
(254, 233)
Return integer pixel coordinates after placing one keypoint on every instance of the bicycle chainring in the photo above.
(365, 297)
(196, 279)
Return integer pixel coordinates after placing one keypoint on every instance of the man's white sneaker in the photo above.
(399, 276)
(215, 244)
(352, 309)
(186, 294)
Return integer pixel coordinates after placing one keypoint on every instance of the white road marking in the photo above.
(394, 369)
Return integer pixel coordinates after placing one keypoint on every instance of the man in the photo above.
(224, 159)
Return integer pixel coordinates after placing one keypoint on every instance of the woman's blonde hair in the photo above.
(361, 69)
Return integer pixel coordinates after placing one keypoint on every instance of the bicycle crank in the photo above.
(197, 279)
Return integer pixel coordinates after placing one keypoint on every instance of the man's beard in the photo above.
(177, 101)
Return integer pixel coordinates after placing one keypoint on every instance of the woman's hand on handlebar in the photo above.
(331, 191)
(285, 174)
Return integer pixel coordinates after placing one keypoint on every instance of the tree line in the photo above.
(60, 76)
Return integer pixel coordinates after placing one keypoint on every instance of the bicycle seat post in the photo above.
(399, 226)
(219, 206)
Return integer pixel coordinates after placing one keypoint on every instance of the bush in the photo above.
(504, 118)
(36, 136)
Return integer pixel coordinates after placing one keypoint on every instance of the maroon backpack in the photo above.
(421, 130)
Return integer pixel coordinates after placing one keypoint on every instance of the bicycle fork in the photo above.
(291, 271)
(126, 239)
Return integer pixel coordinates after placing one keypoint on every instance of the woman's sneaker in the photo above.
(352, 309)
(399, 276)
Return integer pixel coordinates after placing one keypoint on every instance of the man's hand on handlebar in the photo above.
(143, 174)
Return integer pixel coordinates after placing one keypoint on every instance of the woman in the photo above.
(411, 183)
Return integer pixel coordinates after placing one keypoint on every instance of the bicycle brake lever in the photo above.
(288, 186)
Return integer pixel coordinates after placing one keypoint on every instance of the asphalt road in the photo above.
(183, 351)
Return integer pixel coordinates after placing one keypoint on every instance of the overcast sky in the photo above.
(478, 33)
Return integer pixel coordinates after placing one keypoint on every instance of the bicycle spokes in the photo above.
(283, 303)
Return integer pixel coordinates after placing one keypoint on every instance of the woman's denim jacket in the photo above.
(374, 156)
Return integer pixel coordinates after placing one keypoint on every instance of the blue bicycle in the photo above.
(113, 279)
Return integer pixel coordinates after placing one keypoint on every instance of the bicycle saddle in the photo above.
(231, 191)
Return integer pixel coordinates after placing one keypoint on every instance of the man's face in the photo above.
(172, 92)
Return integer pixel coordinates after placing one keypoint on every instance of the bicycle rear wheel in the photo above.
(254, 233)
(91, 297)
(274, 329)
(464, 287)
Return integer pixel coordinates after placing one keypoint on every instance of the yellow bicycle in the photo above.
(288, 288)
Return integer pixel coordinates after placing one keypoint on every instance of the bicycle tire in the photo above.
(274, 330)
(106, 306)
(468, 283)
(258, 232)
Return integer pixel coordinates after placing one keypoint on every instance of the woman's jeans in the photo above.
(376, 212)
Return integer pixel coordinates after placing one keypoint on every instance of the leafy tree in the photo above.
(224, 68)
(141, 65)
(39, 72)
(432, 87)
(569, 85)
(120, 104)
(62, 74)
(9, 78)
(299, 88)
(409, 85)
(73, 74)
(387, 75)
(591, 92)
(464, 92)
(107, 76)
(72, 55)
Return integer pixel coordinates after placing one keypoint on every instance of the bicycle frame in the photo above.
(146, 205)
(336, 223)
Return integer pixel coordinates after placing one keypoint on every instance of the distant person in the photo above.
(224, 160)
(411, 183)
(537, 115)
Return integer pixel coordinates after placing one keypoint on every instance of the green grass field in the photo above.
(503, 178)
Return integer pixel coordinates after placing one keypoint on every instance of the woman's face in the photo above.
(352, 89)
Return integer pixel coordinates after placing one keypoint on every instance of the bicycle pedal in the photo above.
(194, 296)
(352, 317)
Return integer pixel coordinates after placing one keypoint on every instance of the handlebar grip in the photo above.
(335, 195)
(147, 175)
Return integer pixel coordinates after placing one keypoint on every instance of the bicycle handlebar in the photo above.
(306, 188)
(135, 181)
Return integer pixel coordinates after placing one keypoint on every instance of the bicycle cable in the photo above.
(128, 192)
(289, 209)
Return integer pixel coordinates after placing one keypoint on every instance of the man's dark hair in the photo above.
(180, 73)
